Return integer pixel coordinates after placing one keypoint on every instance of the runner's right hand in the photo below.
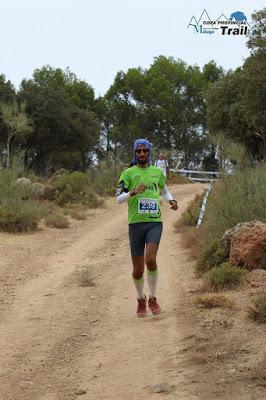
(139, 189)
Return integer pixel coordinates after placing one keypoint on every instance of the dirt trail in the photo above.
(57, 337)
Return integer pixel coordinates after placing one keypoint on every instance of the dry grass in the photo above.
(191, 239)
(85, 275)
(177, 179)
(257, 311)
(211, 300)
(58, 221)
(224, 277)
(76, 211)
(78, 214)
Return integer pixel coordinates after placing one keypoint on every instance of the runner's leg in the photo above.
(152, 271)
(138, 270)
(137, 245)
(153, 237)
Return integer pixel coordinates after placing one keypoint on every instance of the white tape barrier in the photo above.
(203, 206)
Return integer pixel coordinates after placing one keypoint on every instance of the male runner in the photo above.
(163, 164)
(141, 185)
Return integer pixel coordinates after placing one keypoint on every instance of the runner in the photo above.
(141, 185)
(163, 164)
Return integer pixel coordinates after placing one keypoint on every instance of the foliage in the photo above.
(70, 187)
(211, 300)
(235, 199)
(212, 255)
(57, 220)
(226, 276)
(165, 103)
(191, 215)
(236, 103)
(257, 39)
(104, 178)
(65, 127)
(178, 179)
(257, 310)
(18, 215)
(17, 123)
(75, 187)
(18, 210)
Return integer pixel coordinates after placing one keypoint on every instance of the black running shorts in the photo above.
(142, 233)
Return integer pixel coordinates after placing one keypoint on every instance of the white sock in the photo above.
(139, 284)
(152, 277)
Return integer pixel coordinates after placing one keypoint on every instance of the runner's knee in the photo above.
(137, 274)
(151, 263)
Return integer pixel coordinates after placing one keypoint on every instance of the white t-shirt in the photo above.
(162, 164)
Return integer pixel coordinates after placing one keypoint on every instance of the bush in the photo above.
(175, 178)
(211, 300)
(105, 179)
(223, 277)
(91, 200)
(211, 255)
(78, 214)
(18, 211)
(18, 215)
(76, 211)
(235, 199)
(257, 311)
(71, 187)
(191, 215)
(57, 221)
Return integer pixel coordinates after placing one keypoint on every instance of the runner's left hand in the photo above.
(173, 205)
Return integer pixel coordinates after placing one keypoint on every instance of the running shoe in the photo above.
(142, 311)
(154, 306)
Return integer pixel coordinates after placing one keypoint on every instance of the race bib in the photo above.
(147, 206)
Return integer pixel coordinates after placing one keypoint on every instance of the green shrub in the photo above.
(91, 200)
(18, 215)
(211, 255)
(105, 179)
(226, 276)
(257, 311)
(18, 211)
(71, 187)
(191, 215)
(235, 199)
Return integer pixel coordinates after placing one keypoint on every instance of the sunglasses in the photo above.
(145, 151)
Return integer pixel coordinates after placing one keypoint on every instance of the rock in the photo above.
(42, 191)
(79, 392)
(257, 278)
(24, 181)
(39, 189)
(161, 388)
(246, 244)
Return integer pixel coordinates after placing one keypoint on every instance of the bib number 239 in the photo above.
(147, 206)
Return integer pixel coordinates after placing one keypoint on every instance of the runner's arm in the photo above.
(123, 197)
(166, 194)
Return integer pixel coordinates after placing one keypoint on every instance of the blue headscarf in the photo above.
(145, 143)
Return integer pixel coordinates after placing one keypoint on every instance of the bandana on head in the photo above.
(142, 142)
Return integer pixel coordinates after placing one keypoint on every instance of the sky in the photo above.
(96, 39)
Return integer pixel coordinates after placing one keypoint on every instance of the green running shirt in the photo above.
(143, 207)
